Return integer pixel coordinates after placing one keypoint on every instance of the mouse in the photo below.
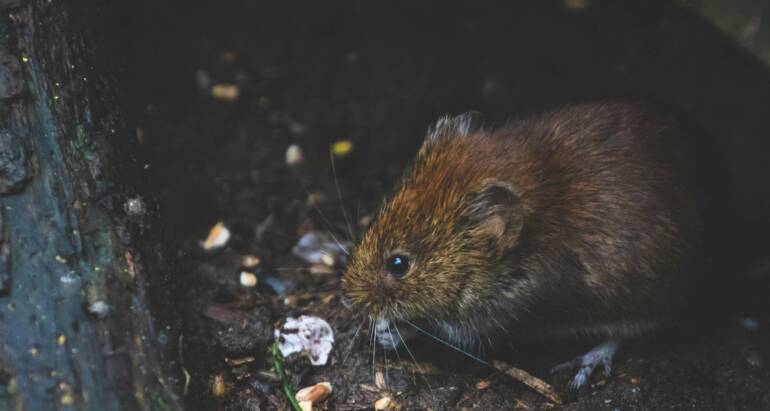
(584, 221)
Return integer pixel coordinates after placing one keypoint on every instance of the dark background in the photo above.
(378, 73)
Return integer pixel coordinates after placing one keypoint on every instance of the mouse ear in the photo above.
(457, 126)
(496, 211)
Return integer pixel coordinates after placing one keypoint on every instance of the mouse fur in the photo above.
(583, 220)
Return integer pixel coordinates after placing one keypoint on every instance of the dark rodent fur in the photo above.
(584, 220)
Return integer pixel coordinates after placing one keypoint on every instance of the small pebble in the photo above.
(291, 300)
(315, 198)
(483, 385)
(203, 79)
(67, 399)
(750, 324)
(577, 4)
(135, 207)
(276, 284)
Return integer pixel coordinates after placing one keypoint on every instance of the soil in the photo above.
(377, 74)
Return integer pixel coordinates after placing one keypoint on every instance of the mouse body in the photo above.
(582, 221)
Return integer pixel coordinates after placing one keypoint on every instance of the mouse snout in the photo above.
(373, 294)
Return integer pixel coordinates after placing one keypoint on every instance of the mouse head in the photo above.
(435, 249)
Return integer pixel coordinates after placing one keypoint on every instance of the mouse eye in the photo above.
(398, 265)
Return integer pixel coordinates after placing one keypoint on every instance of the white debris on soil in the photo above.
(318, 248)
(309, 335)
(218, 236)
(99, 308)
(294, 155)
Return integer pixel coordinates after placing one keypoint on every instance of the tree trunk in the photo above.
(75, 330)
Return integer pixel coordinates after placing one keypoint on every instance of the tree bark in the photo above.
(75, 329)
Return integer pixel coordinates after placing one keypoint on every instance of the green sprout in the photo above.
(287, 389)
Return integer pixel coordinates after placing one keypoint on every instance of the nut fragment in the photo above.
(294, 155)
(218, 237)
(306, 405)
(387, 403)
(218, 387)
(225, 92)
(315, 393)
(248, 279)
(327, 259)
(483, 385)
(250, 261)
(342, 148)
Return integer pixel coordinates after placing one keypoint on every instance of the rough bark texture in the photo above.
(75, 331)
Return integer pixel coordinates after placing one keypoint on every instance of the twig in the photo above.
(540, 386)
(287, 390)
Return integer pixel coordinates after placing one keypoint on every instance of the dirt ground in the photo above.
(376, 74)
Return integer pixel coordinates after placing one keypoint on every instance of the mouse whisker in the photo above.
(339, 195)
(448, 344)
(331, 270)
(385, 357)
(393, 339)
(326, 225)
(398, 356)
(414, 360)
(371, 338)
(352, 342)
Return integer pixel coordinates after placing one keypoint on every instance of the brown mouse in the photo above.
(581, 221)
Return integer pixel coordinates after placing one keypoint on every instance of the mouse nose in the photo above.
(367, 291)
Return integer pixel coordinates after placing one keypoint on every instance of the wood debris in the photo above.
(540, 386)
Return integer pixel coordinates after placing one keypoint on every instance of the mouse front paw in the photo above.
(602, 355)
